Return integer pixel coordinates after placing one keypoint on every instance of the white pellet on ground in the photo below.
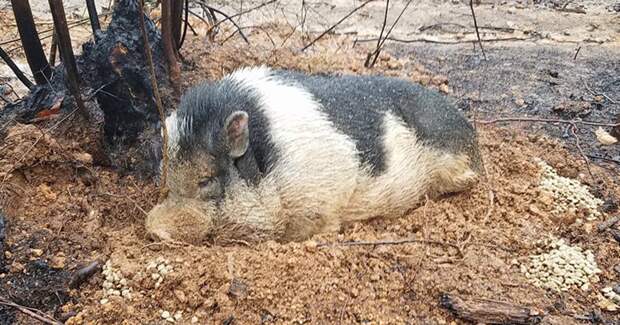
(610, 294)
(562, 267)
(569, 194)
(114, 284)
(159, 268)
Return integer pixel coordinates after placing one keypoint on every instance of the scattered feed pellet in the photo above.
(114, 284)
(561, 267)
(569, 194)
(158, 270)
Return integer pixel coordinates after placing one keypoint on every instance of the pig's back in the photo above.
(357, 105)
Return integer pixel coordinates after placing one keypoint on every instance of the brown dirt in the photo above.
(56, 201)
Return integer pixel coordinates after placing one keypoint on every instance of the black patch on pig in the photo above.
(357, 106)
(208, 105)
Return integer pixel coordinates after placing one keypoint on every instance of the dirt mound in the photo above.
(63, 212)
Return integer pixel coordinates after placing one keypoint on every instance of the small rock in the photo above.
(607, 305)
(84, 158)
(520, 101)
(103, 301)
(16, 267)
(604, 137)
(36, 252)
(165, 314)
(58, 261)
(194, 320)
(180, 296)
(311, 246)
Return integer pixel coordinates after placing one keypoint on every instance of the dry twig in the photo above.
(158, 103)
(387, 35)
(368, 64)
(336, 24)
(390, 242)
(32, 312)
(473, 14)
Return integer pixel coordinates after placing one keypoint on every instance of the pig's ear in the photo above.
(237, 133)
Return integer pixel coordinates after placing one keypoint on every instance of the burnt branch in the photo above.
(185, 25)
(488, 311)
(93, 17)
(158, 103)
(169, 45)
(177, 23)
(66, 52)
(53, 49)
(473, 14)
(33, 49)
(18, 73)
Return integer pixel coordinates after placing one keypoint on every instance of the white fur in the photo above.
(318, 168)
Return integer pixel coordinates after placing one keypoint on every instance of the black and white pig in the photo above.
(272, 154)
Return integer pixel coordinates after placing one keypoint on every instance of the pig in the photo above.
(268, 154)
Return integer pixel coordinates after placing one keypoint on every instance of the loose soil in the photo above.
(62, 213)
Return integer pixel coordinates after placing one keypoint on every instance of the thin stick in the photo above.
(427, 40)
(543, 120)
(368, 64)
(598, 93)
(336, 24)
(16, 70)
(389, 242)
(158, 102)
(387, 35)
(583, 155)
(229, 18)
(71, 25)
(576, 53)
(237, 14)
(473, 14)
(34, 313)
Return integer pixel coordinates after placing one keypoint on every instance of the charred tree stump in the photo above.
(489, 312)
(122, 127)
(35, 56)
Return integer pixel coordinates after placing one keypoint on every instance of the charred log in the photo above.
(122, 123)
(489, 312)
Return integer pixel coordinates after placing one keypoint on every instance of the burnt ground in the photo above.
(62, 212)
(532, 80)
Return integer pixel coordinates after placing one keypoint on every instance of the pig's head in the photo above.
(205, 136)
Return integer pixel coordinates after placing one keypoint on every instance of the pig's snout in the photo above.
(180, 220)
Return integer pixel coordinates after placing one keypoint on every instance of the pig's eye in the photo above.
(205, 182)
(209, 188)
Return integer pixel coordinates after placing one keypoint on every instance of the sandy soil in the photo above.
(62, 212)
